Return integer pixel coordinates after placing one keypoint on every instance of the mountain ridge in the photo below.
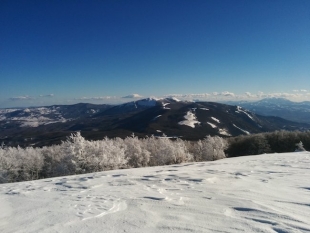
(189, 120)
(281, 107)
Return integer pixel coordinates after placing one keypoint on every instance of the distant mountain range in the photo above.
(293, 111)
(41, 126)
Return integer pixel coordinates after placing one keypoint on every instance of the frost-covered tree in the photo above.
(90, 156)
(299, 147)
(77, 155)
(209, 149)
(18, 164)
(164, 151)
(57, 162)
(136, 152)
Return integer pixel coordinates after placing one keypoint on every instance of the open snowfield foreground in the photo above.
(263, 193)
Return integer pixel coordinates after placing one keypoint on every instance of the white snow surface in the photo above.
(156, 117)
(224, 132)
(239, 109)
(190, 121)
(34, 117)
(263, 193)
(244, 131)
(147, 102)
(215, 119)
(212, 125)
(8, 110)
(164, 105)
(174, 99)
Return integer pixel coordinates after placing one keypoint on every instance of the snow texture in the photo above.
(156, 117)
(224, 132)
(164, 105)
(244, 131)
(190, 121)
(215, 119)
(150, 102)
(239, 109)
(34, 117)
(262, 193)
(174, 99)
(212, 125)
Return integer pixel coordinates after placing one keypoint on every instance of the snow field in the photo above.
(263, 193)
(190, 120)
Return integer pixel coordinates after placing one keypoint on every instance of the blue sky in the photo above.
(62, 51)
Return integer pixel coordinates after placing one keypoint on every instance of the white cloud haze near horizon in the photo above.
(50, 99)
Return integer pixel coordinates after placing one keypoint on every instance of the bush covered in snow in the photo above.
(77, 155)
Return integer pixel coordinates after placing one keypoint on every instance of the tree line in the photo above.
(77, 155)
(271, 142)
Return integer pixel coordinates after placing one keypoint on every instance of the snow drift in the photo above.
(263, 193)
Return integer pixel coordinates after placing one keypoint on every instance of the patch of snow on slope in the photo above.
(206, 109)
(190, 121)
(212, 125)
(44, 111)
(93, 111)
(156, 117)
(33, 121)
(174, 99)
(239, 109)
(224, 132)
(244, 131)
(8, 110)
(215, 119)
(164, 105)
(34, 117)
(243, 194)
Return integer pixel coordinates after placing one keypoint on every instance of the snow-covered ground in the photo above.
(212, 125)
(191, 120)
(244, 131)
(263, 193)
(34, 117)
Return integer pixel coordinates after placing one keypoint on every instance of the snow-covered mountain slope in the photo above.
(36, 116)
(189, 120)
(263, 193)
(294, 111)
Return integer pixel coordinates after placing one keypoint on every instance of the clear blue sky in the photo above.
(62, 51)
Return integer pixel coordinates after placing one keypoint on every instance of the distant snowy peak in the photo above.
(37, 116)
(173, 99)
(275, 101)
(147, 102)
(150, 102)
(279, 107)
(34, 117)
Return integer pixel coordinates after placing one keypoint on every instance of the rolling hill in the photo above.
(170, 117)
